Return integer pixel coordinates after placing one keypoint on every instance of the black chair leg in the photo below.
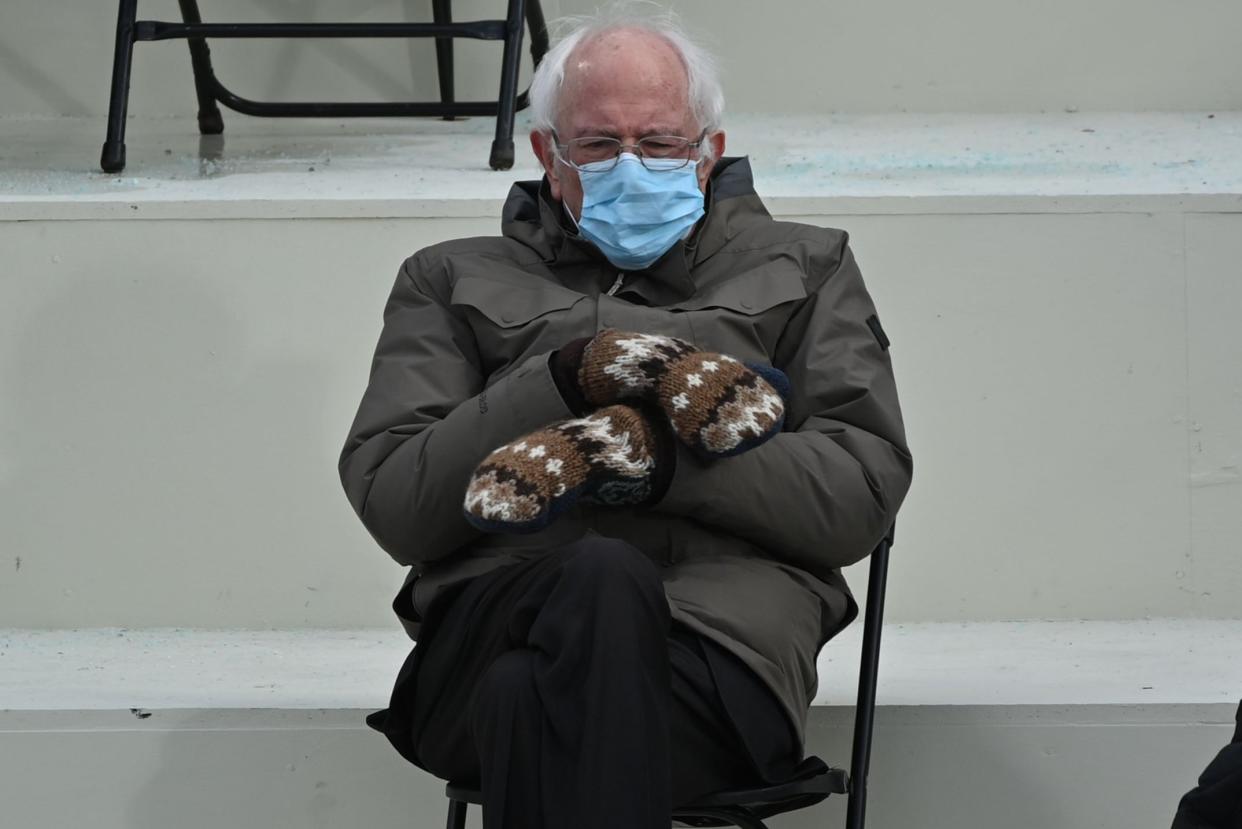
(502, 146)
(112, 159)
(443, 13)
(210, 122)
(869, 668)
(538, 31)
(457, 814)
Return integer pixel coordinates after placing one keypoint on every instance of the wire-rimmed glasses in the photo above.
(594, 149)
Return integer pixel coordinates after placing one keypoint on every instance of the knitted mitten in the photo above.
(716, 404)
(617, 455)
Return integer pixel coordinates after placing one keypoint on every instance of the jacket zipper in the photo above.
(589, 508)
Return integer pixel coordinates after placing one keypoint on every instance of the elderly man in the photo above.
(625, 448)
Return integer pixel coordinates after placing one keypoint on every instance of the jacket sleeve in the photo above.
(824, 491)
(426, 420)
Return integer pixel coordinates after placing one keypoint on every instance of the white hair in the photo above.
(704, 92)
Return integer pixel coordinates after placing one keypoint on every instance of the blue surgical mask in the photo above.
(634, 214)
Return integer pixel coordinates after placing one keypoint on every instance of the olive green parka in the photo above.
(751, 546)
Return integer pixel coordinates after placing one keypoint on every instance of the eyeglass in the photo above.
(592, 149)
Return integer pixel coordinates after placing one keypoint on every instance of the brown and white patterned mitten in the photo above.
(716, 404)
(617, 455)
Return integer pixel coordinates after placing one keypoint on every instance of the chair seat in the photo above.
(812, 777)
(813, 780)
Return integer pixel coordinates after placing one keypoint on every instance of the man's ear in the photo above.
(541, 144)
(716, 141)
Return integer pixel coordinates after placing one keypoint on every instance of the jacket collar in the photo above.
(531, 216)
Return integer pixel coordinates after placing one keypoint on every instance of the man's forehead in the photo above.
(625, 110)
(626, 80)
(635, 49)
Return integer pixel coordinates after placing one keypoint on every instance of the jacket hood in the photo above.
(532, 217)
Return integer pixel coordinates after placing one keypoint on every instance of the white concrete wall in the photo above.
(175, 394)
(849, 55)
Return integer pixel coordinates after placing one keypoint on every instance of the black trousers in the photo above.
(562, 688)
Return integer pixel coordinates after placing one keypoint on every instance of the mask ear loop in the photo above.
(570, 214)
(556, 157)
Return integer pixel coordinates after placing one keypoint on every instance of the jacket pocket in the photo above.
(744, 317)
(511, 322)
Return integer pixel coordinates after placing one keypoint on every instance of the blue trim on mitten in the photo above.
(775, 377)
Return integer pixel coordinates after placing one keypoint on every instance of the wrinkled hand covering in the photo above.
(717, 405)
(608, 456)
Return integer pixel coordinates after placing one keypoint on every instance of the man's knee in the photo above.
(608, 563)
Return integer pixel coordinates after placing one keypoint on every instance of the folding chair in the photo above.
(210, 90)
(813, 780)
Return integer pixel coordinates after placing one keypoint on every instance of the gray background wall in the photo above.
(854, 55)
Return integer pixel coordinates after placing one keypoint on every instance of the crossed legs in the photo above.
(562, 686)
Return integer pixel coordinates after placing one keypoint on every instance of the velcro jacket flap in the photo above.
(508, 304)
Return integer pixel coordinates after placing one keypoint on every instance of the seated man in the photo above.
(625, 448)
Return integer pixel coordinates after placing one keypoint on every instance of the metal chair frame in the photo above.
(210, 90)
(747, 808)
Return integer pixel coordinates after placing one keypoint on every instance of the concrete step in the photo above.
(1022, 724)
(804, 165)
(1147, 662)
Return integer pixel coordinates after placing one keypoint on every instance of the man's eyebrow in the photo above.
(605, 132)
(610, 132)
